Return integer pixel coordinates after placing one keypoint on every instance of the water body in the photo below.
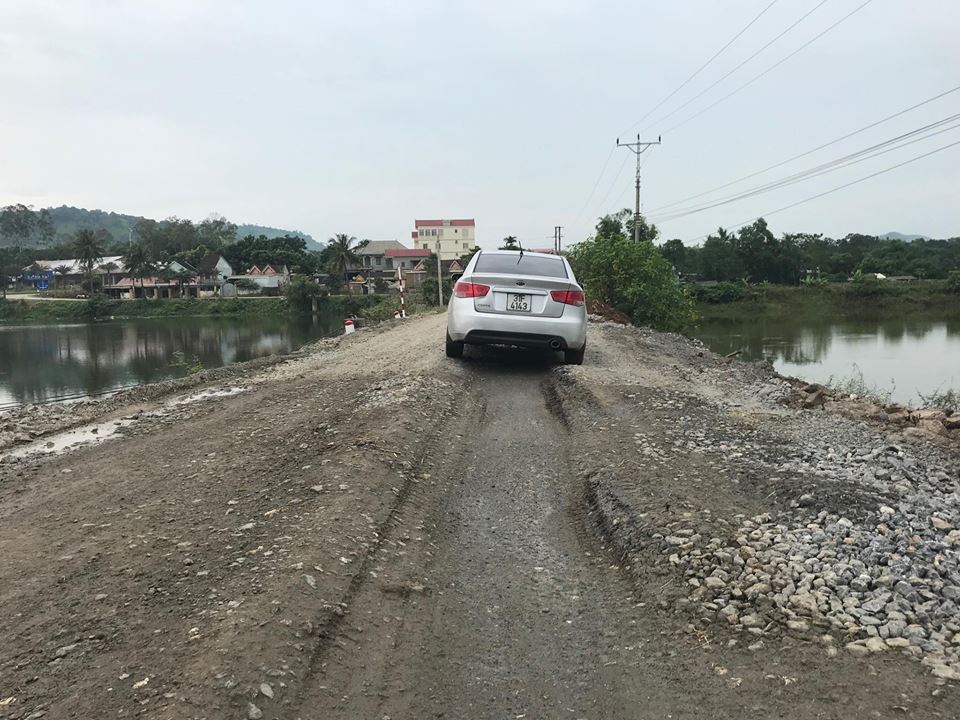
(906, 357)
(49, 362)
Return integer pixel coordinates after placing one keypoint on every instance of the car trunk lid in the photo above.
(526, 295)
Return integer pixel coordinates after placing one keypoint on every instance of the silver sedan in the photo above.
(522, 299)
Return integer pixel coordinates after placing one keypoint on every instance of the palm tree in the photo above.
(89, 251)
(340, 253)
(181, 276)
(510, 243)
(139, 265)
(62, 271)
(110, 268)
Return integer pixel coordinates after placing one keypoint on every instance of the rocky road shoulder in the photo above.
(762, 525)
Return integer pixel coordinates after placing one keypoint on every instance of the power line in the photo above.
(701, 68)
(772, 67)
(731, 72)
(810, 152)
(596, 184)
(616, 179)
(846, 161)
(842, 187)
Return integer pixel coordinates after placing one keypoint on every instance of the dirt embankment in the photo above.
(765, 523)
(369, 529)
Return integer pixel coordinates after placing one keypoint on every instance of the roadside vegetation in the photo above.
(632, 277)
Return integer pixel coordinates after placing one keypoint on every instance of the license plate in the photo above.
(518, 303)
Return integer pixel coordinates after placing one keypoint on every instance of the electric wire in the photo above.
(868, 153)
(771, 68)
(702, 67)
(839, 187)
(596, 184)
(810, 152)
(744, 62)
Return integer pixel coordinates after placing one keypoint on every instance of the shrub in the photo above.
(428, 291)
(953, 281)
(634, 278)
(721, 293)
(301, 293)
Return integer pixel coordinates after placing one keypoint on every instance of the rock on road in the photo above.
(371, 530)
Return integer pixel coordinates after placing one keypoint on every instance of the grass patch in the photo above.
(731, 300)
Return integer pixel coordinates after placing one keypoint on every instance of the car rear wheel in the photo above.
(574, 357)
(454, 349)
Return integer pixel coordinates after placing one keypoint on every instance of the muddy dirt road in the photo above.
(371, 530)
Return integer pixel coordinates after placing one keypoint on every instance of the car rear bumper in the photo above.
(464, 324)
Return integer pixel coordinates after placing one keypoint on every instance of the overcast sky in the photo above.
(359, 117)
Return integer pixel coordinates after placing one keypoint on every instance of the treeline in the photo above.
(21, 225)
(161, 242)
(756, 255)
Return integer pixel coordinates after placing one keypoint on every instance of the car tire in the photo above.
(574, 357)
(454, 349)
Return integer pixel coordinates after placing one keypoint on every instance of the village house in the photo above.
(378, 265)
(45, 274)
(175, 280)
(415, 277)
(212, 272)
(373, 257)
(269, 279)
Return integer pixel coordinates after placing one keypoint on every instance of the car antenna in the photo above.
(521, 252)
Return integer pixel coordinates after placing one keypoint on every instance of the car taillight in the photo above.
(568, 297)
(470, 290)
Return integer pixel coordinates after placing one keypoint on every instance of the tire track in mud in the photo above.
(527, 611)
(331, 623)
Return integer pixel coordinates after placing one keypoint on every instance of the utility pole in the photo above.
(439, 274)
(637, 148)
(557, 237)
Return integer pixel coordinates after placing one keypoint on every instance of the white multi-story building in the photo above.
(453, 237)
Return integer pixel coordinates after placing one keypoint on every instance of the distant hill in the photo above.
(67, 220)
(272, 232)
(902, 237)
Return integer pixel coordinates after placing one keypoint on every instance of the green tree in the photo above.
(953, 281)
(88, 247)
(510, 243)
(62, 271)
(12, 260)
(182, 276)
(681, 257)
(216, 232)
(46, 231)
(631, 277)
(340, 254)
(428, 285)
(139, 266)
(246, 284)
(301, 292)
(719, 259)
(17, 224)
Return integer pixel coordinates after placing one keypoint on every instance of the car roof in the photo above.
(525, 253)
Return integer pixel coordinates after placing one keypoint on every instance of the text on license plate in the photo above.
(518, 303)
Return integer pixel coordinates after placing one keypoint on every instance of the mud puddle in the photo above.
(96, 433)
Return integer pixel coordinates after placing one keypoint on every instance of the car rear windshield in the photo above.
(515, 264)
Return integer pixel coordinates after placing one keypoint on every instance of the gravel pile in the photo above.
(868, 554)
